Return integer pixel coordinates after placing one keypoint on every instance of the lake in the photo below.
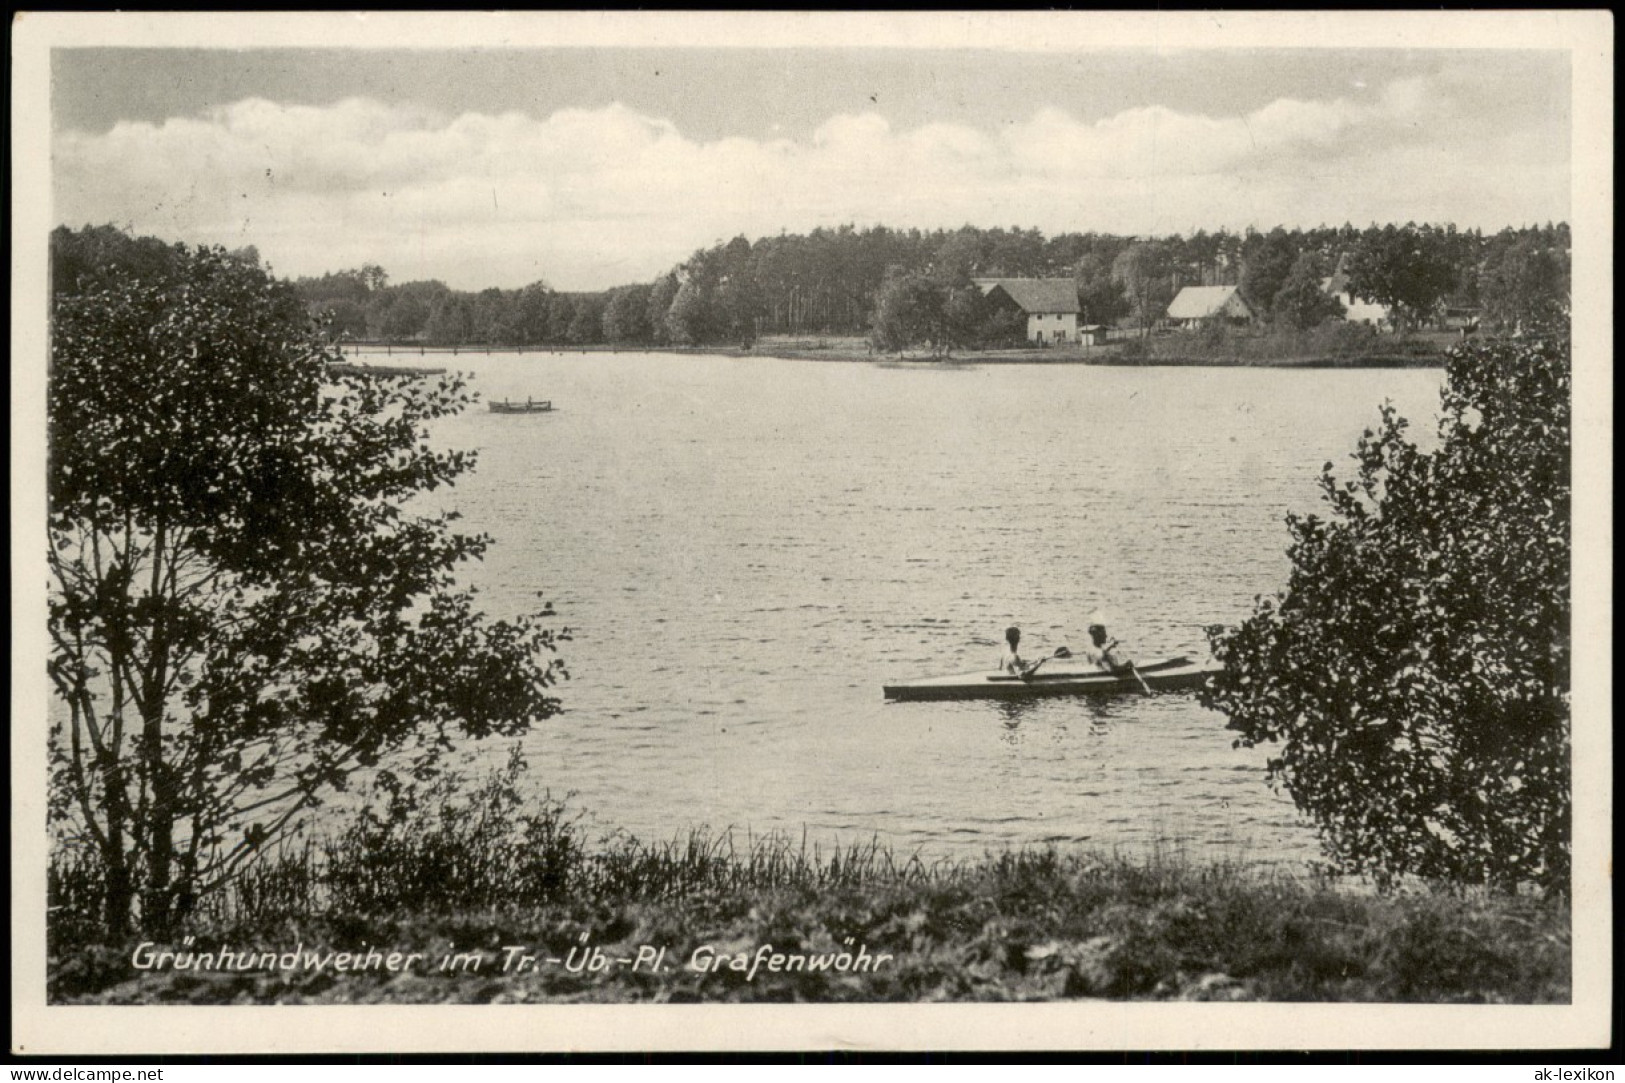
(745, 549)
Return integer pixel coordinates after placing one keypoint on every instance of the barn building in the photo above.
(1194, 306)
(1050, 305)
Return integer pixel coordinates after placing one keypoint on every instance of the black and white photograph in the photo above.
(739, 530)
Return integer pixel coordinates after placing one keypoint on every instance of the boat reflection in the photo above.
(1098, 712)
(1014, 710)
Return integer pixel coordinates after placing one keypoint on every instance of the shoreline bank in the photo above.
(697, 921)
(1104, 356)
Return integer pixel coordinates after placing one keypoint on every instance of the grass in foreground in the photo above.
(478, 877)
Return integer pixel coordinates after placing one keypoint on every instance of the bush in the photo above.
(1332, 343)
(435, 848)
(1415, 674)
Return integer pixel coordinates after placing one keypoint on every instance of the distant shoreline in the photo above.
(1105, 356)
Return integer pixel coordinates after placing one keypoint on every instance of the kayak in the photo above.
(1059, 678)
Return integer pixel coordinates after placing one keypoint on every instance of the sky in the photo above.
(588, 168)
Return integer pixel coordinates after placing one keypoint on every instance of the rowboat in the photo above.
(529, 406)
(1073, 679)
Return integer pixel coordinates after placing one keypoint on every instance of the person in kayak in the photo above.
(1106, 653)
(1013, 664)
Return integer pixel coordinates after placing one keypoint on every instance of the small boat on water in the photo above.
(1067, 679)
(529, 406)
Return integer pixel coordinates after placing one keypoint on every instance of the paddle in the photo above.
(1060, 652)
(1105, 648)
(1135, 673)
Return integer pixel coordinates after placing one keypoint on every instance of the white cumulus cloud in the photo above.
(588, 198)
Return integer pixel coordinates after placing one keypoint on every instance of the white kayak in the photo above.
(1060, 677)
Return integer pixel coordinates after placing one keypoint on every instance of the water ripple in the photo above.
(746, 551)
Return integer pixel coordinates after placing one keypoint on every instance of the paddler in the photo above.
(1106, 653)
(1012, 662)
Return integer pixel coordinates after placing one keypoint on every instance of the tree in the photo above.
(1141, 270)
(999, 328)
(626, 316)
(1415, 674)
(496, 317)
(402, 312)
(968, 320)
(1526, 285)
(959, 256)
(1408, 269)
(243, 612)
(451, 321)
(97, 255)
(661, 294)
(1202, 253)
(910, 310)
(587, 325)
(1099, 295)
(718, 299)
(1301, 303)
(561, 314)
(1266, 261)
(530, 313)
(1016, 252)
(688, 319)
(736, 303)
(343, 318)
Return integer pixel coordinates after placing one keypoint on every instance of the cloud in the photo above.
(589, 198)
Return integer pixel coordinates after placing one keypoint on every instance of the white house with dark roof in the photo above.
(1050, 304)
(1196, 305)
(1356, 309)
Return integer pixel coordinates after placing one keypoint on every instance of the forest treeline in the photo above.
(839, 282)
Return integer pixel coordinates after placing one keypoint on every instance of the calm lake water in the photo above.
(746, 549)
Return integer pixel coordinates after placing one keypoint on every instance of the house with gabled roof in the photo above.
(1355, 309)
(1194, 306)
(1050, 305)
